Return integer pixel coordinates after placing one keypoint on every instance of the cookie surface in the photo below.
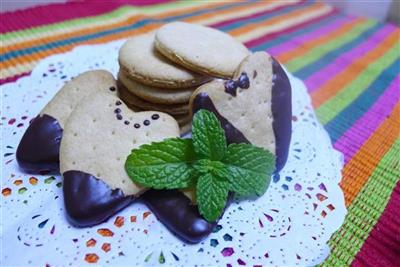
(139, 59)
(98, 136)
(202, 49)
(155, 94)
(254, 107)
(135, 101)
(38, 150)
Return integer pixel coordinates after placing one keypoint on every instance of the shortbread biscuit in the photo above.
(98, 137)
(202, 49)
(254, 107)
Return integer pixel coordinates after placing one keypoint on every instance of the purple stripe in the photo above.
(316, 80)
(355, 137)
(299, 41)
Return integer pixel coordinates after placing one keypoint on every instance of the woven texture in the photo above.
(351, 66)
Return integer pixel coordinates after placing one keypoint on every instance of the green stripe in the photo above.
(100, 18)
(321, 50)
(335, 105)
(365, 210)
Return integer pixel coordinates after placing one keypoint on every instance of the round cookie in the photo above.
(38, 150)
(182, 119)
(141, 61)
(98, 137)
(155, 94)
(254, 107)
(202, 49)
(135, 101)
(185, 128)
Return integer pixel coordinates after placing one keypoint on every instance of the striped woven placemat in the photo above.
(351, 66)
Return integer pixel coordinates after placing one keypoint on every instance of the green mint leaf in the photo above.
(208, 136)
(212, 194)
(250, 169)
(163, 165)
(215, 168)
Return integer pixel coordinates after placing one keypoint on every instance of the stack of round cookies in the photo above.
(160, 70)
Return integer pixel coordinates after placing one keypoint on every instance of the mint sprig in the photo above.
(205, 163)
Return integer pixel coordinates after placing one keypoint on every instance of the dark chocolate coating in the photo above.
(90, 201)
(38, 151)
(282, 113)
(176, 212)
(233, 135)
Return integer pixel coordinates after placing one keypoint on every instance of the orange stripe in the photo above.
(303, 49)
(369, 156)
(341, 80)
(251, 26)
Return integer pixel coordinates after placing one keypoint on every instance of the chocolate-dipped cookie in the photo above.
(253, 107)
(98, 136)
(38, 150)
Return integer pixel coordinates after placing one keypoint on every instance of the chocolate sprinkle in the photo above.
(126, 122)
(146, 122)
(136, 125)
(243, 81)
(119, 116)
(254, 74)
(155, 116)
(117, 110)
(118, 103)
(112, 88)
(230, 87)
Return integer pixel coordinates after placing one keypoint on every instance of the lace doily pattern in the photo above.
(288, 225)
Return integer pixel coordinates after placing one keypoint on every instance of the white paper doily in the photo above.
(290, 225)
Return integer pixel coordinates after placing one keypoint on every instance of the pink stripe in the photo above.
(13, 78)
(355, 137)
(316, 80)
(302, 39)
(57, 12)
(382, 247)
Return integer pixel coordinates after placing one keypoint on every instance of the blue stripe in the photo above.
(322, 62)
(286, 37)
(347, 117)
(136, 25)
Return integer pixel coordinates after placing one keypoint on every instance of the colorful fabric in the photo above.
(351, 66)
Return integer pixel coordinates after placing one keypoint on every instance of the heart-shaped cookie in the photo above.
(38, 150)
(98, 136)
(254, 107)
